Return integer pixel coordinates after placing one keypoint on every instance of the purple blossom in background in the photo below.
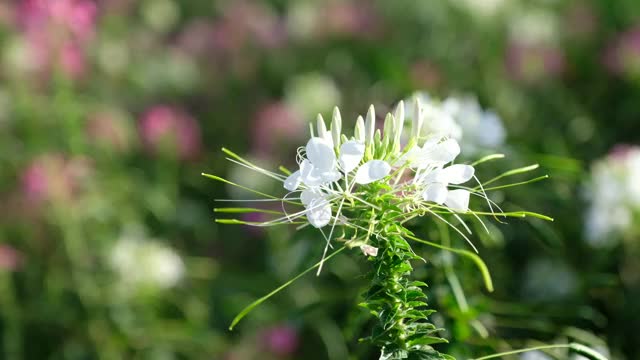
(530, 63)
(109, 128)
(354, 18)
(196, 38)
(165, 126)
(273, 123)
(426, 75)
(57, 32)
(622, 57)
(53, 177)
(281, 340)
(10, 258)
(255, 231)
(248, 23)
(73, 60)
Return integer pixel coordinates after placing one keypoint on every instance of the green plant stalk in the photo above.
(87, 292)
(13, 334)
(398, 302)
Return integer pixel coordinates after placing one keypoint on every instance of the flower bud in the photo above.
(359, 130)
(370, 125)
(321, 126)
(389, 131)
(399, 122)
(336, 126)
(417, 118)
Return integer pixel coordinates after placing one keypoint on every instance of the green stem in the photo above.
(88, 293)
(579, 348)
(254, 304)
(12, 314)
(486, 275)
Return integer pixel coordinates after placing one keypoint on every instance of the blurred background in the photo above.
(111, 109)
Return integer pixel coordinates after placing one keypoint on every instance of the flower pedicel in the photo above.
(362, 191)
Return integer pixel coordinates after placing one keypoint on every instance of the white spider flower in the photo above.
(322, 169)
(614, 195)
(342, 180)
(144, 264)
(371, 184)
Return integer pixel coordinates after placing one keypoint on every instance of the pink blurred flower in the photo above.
(353, 18)
(10, 258)
(281, 340)
(531, 63)
(77, 17)
(273, 123)
(244, 23)
(255, 231)
(621, 151)
(197, 38)
(426, 75)
(56, 33)
(165, 126)
(52, 177)
(109, 128)
(622, 57)
(72, 61)
(7, 13)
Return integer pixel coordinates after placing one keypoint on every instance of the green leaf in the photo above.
(426, 340)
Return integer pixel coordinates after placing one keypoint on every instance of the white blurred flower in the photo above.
(614, 196)
(312, 93)
(484, 8)
(145, 264)
(436, 122)
(160, 15)
(535, 355)
(481, 129)
(302, 19)
(460, 118)
(534, 26)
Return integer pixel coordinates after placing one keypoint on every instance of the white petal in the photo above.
(435, 176)
(319, 212)
(372, 171)
(351, 154)
(309, 175)
(330, 176)
(444, 152)
(292, 182)
(436, 192)
(308, 195)
(458, 174)
(458, 200)
(369, 250)
(320, 153)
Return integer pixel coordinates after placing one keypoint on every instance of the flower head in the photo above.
(368, 185)
(614, 195)
(164, 126)
(144, 264)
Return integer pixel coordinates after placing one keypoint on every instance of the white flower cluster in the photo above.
(332, 165)
(614, 195)
(461, 118)
(143, 264)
